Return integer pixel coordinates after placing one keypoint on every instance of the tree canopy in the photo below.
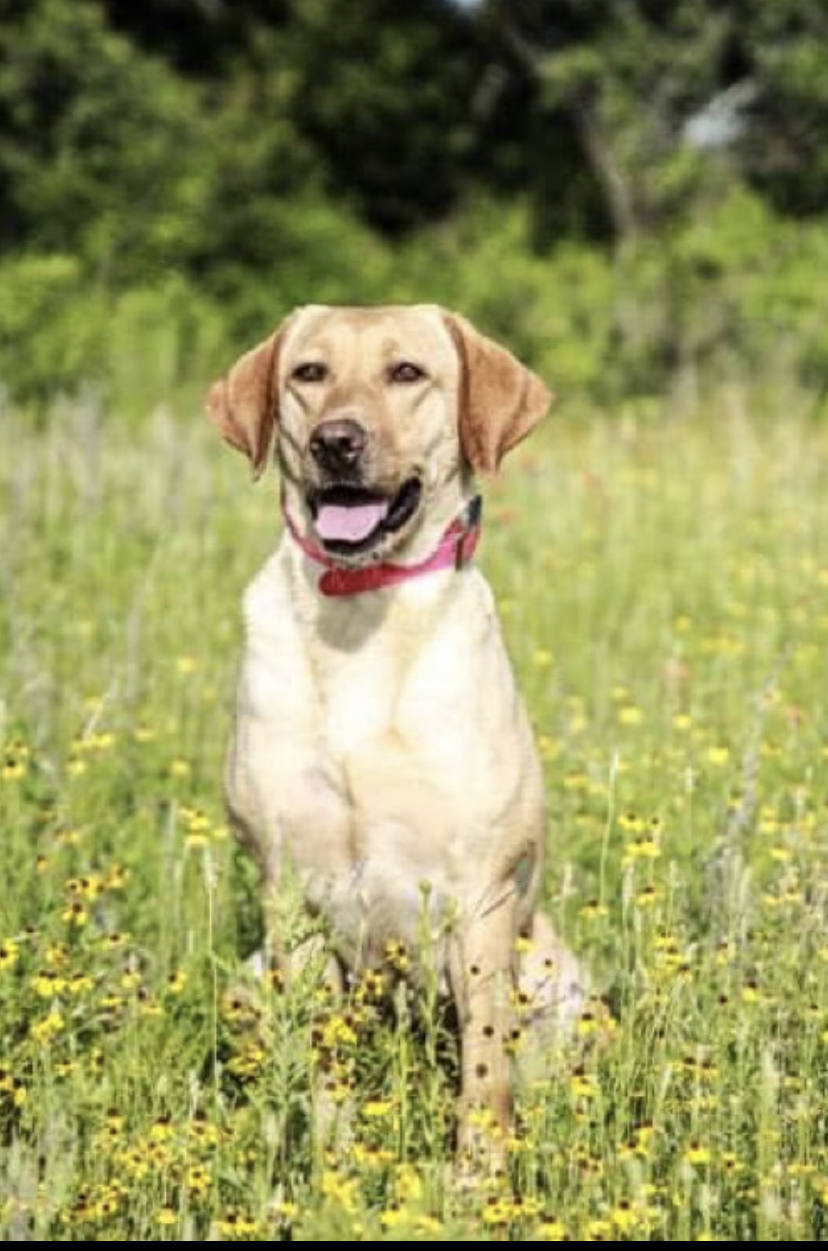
(252, 145)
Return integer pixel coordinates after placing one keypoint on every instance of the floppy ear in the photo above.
(501, 400)
(243, 403)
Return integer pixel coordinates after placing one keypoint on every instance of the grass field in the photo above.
(664, 587)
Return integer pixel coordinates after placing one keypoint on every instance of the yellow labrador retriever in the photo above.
(381, 756)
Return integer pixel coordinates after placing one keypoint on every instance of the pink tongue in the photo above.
(349, 524)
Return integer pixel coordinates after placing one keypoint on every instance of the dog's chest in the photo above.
(378, 753)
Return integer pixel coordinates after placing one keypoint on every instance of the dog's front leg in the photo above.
(483, 978)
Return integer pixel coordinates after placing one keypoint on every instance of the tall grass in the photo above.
(664, 587)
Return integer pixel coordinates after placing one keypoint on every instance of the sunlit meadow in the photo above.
(664, 588)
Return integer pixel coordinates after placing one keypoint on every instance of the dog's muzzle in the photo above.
(349, 515)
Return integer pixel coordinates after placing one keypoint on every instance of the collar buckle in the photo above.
(468, 524)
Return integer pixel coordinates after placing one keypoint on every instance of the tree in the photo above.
(200, 38)
(382, 93)
(99, 143)
(625, 79)
(783, 49)
(672, 104)
(406, 107)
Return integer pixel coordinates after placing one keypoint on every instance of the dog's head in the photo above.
(381, 416)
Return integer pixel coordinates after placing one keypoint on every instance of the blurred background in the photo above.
(631, 193)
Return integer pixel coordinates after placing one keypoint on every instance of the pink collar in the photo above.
(455, 549)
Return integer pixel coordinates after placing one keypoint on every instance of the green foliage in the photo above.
(725, 292)
(51, 323)
(62, 334)
(100, 144)
(752, 300)
(394, 140)
(174, 180)
(785, 156)
(305, 251)
(721, 91)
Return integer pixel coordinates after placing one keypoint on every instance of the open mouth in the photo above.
(351, 519)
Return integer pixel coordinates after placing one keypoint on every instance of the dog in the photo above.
(381, 759)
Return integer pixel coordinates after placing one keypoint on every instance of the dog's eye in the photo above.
(405, 371)
(310, 371)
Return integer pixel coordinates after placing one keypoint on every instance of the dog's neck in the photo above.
(454, 550)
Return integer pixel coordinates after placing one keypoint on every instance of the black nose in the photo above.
(337, 445)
